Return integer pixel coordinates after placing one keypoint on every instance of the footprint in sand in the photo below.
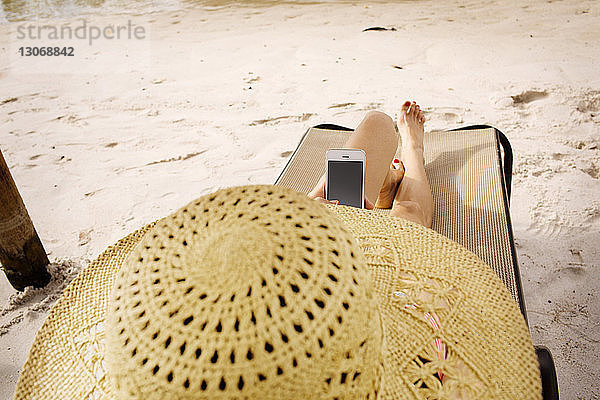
(589, 102)
(591, 168)
(446, 114)
(547, 223)
(501, 100)
(371, 106)
(585, 144)
(276, 120)
(528, 96)
(593, 213)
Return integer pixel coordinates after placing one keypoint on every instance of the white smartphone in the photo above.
(346, 177)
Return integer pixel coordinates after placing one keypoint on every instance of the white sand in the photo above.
(123, 134)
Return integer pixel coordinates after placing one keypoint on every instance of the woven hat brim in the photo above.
(495, 356)
(65, 360)
(430, 287)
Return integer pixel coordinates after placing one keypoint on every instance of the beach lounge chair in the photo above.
(470, 172)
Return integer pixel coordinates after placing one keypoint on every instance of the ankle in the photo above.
(413, 145)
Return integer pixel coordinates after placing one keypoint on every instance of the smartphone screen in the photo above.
(344, 182)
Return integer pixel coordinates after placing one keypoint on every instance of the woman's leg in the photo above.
(378, 137)
(413, 199)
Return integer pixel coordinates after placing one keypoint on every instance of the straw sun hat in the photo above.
(259, 292)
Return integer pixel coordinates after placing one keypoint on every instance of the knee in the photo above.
(377, 118)
(380, 124)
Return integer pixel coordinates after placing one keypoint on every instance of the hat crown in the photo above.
(254, 292)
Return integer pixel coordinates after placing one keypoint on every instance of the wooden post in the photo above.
(22, 254)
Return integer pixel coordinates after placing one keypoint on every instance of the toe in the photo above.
(396, 174)
(398, 167)
(405, 110)
(413, 112)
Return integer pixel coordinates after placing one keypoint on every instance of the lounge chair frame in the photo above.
(505, 164)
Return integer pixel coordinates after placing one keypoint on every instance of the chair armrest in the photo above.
(548, 373)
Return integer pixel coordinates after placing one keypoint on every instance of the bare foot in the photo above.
(413, 199)
(410, 125)
(390, 185)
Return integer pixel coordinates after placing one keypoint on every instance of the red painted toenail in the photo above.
(396, 160)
